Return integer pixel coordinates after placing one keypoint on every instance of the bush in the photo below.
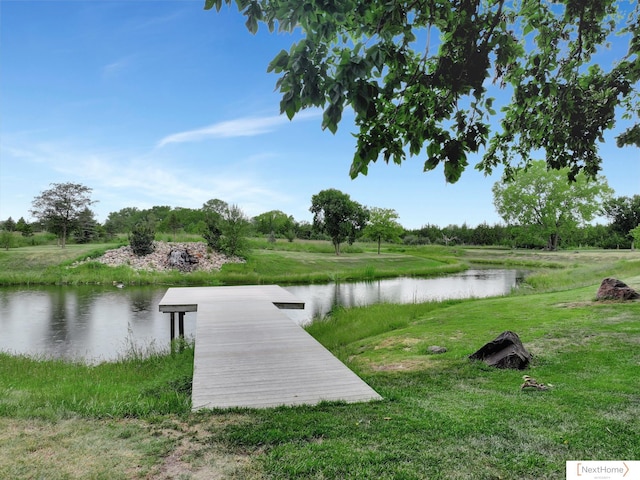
(141, 240)
(234, 228)
(290, 235)
(416, 240)
(6, 239)
(212, 231)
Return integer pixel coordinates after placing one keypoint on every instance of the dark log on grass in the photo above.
(506, 351)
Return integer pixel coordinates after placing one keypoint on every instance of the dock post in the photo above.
(173, 329)
(181, 329)
(181, 324)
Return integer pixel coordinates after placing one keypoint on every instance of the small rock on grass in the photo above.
(435, 349)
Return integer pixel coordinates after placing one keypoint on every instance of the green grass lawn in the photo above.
(442, 416)
(446, 417)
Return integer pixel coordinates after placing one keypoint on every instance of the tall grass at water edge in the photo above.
(144, 382)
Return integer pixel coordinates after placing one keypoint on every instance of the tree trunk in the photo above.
(379, 241)
(552, 244)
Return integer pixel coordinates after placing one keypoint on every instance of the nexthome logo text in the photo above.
(622, 469)
(604, 470)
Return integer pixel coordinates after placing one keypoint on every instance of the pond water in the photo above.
(321, 299)
(103, 323)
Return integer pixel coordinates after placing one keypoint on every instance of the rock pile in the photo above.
(193, 256)
(181, 259)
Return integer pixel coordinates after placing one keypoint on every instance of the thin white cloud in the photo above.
(116, 67)
(241, 127)
(154, 22)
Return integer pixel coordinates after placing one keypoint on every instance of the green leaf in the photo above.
(528, 28)
(433, 149)
(279, 63)
(290, 111)
(331, 117)
(209, 4)
(452, 171)
(252, 24)
(431, 163)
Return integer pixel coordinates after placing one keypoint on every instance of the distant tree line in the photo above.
(515, 236)
(336, 218)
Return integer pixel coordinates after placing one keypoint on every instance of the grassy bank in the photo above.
(445, 417)
(442, 417)
(283, 263)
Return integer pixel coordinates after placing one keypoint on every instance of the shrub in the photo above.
(6, 239)
(212, 231)
(290, 234)
(233, 241)
(141, 240)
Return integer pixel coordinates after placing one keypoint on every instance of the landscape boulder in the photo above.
(436, 349)
(505, 351)
(181, 259)
(614, 289)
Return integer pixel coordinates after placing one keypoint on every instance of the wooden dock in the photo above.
(250, 354)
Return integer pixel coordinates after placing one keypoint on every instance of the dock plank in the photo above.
(250, 354)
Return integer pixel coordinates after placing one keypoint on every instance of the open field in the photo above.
(442, 417)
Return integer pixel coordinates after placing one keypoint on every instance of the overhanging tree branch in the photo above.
(366, 55)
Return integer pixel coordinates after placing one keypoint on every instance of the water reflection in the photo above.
(100, 323)
(89, 323)
(320, 299)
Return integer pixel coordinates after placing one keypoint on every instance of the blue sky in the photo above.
(159, 102)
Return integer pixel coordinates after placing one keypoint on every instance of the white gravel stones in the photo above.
(159, 260)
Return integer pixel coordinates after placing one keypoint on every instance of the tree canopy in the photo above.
(335, 214)
(273, 222)
(543, 200)
(421, 77)
(383, 226)
(9, 225)
(635, 234)
(59, 207)
(624, 213)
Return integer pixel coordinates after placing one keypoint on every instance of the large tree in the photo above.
(624, 213)
(543, 200)
(383, 226)
(124, 220)
(215, 205)
(421, 77)
(335, 214)
(273, 222)
(9, 225)
(635, 234)
(59, 207)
